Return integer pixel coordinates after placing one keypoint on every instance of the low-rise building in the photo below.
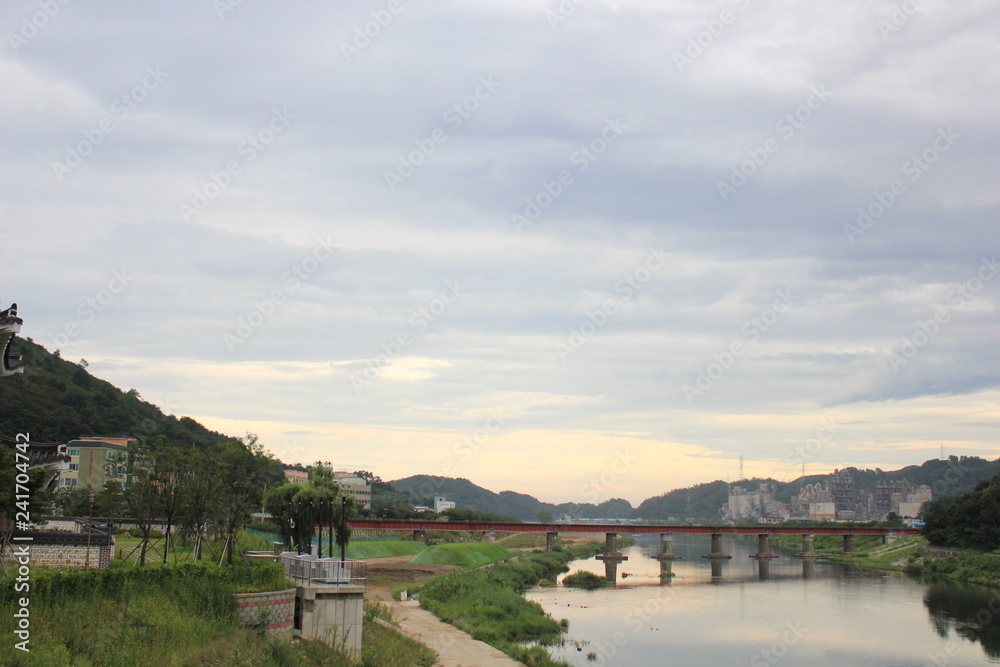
(95, 460)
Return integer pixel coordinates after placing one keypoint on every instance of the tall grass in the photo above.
(487, 603)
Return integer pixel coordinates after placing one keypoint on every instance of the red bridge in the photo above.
(612, 556)
(623, 528)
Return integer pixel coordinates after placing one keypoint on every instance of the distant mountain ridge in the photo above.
(701, 502)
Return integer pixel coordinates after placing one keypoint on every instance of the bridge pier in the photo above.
(551, 537)
(420, 535)
(889, 538)
(611, 556)
(848, 544)
(716, 553)
(490, 536)
(666, 556)
(763, 548)
(807, 547)
(808, 568)
(763, 569)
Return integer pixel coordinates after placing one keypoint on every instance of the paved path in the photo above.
(454, 647)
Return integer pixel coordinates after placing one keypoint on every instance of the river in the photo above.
(812, 613)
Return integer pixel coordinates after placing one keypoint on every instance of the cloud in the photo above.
(304, 265)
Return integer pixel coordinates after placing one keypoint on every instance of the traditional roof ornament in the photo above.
(10, 326)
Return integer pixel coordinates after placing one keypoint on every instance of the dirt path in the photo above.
(454, 647)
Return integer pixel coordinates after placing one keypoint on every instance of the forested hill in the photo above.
(56, 401)
(701, 502)
(469, 496)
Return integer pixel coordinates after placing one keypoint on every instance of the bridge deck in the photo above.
(624, 529)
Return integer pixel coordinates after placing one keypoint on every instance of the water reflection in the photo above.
(970, 612)
(740, 610)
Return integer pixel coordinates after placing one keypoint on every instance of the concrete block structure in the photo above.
(273, 612)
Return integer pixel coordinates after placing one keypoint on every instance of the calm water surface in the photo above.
(789, 614)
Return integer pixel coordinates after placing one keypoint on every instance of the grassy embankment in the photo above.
(981, 569)
(902, 554)
(466, 555)
(487, 602)
(174, 614)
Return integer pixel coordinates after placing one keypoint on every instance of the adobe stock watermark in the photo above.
(454, 116)
(121, 108)
(20, 546)
(581, 158)
(562, 13)
(597, 487)
(927, 330)
(705, 38)
(89, 308)
(751, 331)
(626, 288)
(899, 16)
(786, 127)
(246, 152)
(364, 34)
(807, 451)
(419, 322)
(770, 656)
(466, 447)
(32, 25)
(267, 307)
(914, 168)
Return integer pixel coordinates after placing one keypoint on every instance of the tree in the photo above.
(243, 471)
(543, 516)
(142, 494)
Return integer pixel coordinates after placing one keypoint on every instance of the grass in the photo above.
(466, 555)
(363, 550)
(384, 647)
(487, 603)
(585, 580)
(128, 548)
(523, 541)
(974, 568)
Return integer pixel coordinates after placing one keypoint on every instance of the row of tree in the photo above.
(189, 490)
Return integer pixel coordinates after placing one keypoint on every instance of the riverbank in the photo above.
(487, 602)
(908, 554)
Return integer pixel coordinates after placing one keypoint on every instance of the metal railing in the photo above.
(313, 570)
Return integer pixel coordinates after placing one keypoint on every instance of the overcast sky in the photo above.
(578, 249)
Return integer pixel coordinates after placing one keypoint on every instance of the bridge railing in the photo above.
(307, 569)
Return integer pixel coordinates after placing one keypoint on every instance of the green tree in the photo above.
(543, 516)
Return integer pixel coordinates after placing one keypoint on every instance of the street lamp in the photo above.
(90, 528)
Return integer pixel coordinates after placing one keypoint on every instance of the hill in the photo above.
(470, 496)
(56, 401)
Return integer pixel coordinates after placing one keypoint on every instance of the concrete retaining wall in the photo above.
(274, 611)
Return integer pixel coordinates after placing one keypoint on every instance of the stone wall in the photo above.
(67, 550)
(273, 611)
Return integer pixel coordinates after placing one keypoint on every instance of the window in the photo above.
(74, 452)
(74, 466)
(70, 482)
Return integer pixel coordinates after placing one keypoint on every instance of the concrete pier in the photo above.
(420, 535)
(807, 547)
(763, 548)
(551, 538)
(611, 556)
(716, 552)
(764, 569)
(848, 544)
(666, 557)
(808, 568)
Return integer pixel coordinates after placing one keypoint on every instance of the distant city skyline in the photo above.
(580, 251)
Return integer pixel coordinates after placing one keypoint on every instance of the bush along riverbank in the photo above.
(981, 569)
(487, 602)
